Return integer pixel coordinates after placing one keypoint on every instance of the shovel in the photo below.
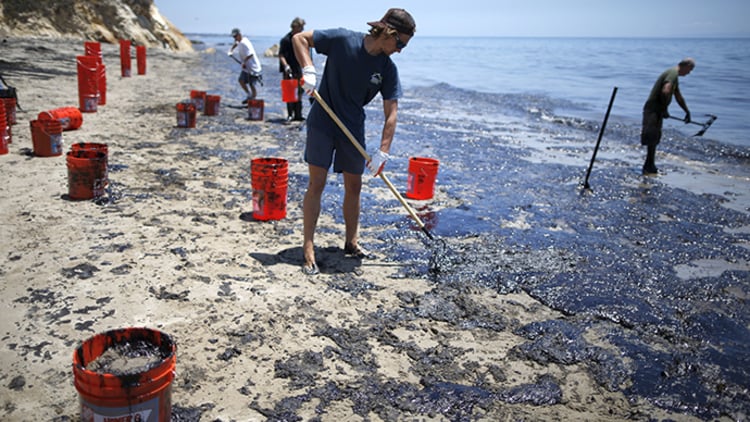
(364, 153)
(705, 126)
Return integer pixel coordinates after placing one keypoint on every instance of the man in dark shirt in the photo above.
(655, 110)
(290, 68)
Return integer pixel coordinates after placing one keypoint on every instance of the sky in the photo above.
(502, 18)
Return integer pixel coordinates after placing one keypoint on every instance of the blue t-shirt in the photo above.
(351, 79)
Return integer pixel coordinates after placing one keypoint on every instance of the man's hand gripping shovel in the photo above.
(367, 157)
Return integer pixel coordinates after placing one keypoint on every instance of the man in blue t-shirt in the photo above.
(358, 67)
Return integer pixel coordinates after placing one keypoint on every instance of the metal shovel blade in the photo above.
(706, 125)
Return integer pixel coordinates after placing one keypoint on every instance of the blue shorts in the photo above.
(323, 149)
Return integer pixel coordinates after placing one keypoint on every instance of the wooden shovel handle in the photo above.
(364, 153)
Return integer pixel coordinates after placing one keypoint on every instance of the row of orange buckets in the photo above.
(125, 58)
(113, 389)
(209, 105)
(187, 110)
(92, 75)
(270, 176)
(204, 102)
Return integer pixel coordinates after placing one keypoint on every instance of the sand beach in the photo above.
(173, 246)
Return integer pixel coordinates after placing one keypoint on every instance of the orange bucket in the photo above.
(6, 136)
(186, 114)
(140, 57)
(102, 84)
(211, 107)
(10, 110)
(132, 381)
(86, 179)
(96, 147)
(46, 136)
(70, 117)
(269, 177)
(88, 83)
(255, 109)
(93, 48)
(290, 90)
(421, 180)
(125, 58)
(198, 98)
(89, 163)
(4, 131)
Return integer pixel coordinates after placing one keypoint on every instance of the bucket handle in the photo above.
(422, 170)
(87, 68)
(43, 129)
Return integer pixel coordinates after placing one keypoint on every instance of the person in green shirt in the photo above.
(656, 109)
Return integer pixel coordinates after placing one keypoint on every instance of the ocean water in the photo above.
(578, 74)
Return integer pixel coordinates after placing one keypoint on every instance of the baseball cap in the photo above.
(235, 32)
(398, 19)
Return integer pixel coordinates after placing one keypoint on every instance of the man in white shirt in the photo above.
(251, 70)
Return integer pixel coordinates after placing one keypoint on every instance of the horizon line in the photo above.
(717, 36)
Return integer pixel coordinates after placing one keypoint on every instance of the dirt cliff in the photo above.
(101, 20)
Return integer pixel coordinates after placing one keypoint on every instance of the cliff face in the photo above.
(95, 20)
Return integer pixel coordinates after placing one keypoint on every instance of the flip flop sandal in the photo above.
(356, 252)
(310, 269)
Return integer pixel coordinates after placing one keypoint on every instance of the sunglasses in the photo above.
(399, 44)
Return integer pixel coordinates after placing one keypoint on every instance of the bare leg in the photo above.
(243, 84)
(352, 190)
(311, 210)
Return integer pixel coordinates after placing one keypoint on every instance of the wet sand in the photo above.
(172, 246)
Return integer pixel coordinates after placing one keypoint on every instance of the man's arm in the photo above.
(666, 93)
(682, 103)
(390, 110)
(680, 100)
(302, 43)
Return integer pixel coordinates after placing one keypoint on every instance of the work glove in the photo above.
(288, 71)
(377, 162)
(310, 77)
(687, 117)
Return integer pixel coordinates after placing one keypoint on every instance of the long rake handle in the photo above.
(364, 153)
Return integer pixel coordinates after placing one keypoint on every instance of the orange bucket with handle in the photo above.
(125, 375)
(421, 180)
(269, 177)
(70, 117)
(46, 137)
